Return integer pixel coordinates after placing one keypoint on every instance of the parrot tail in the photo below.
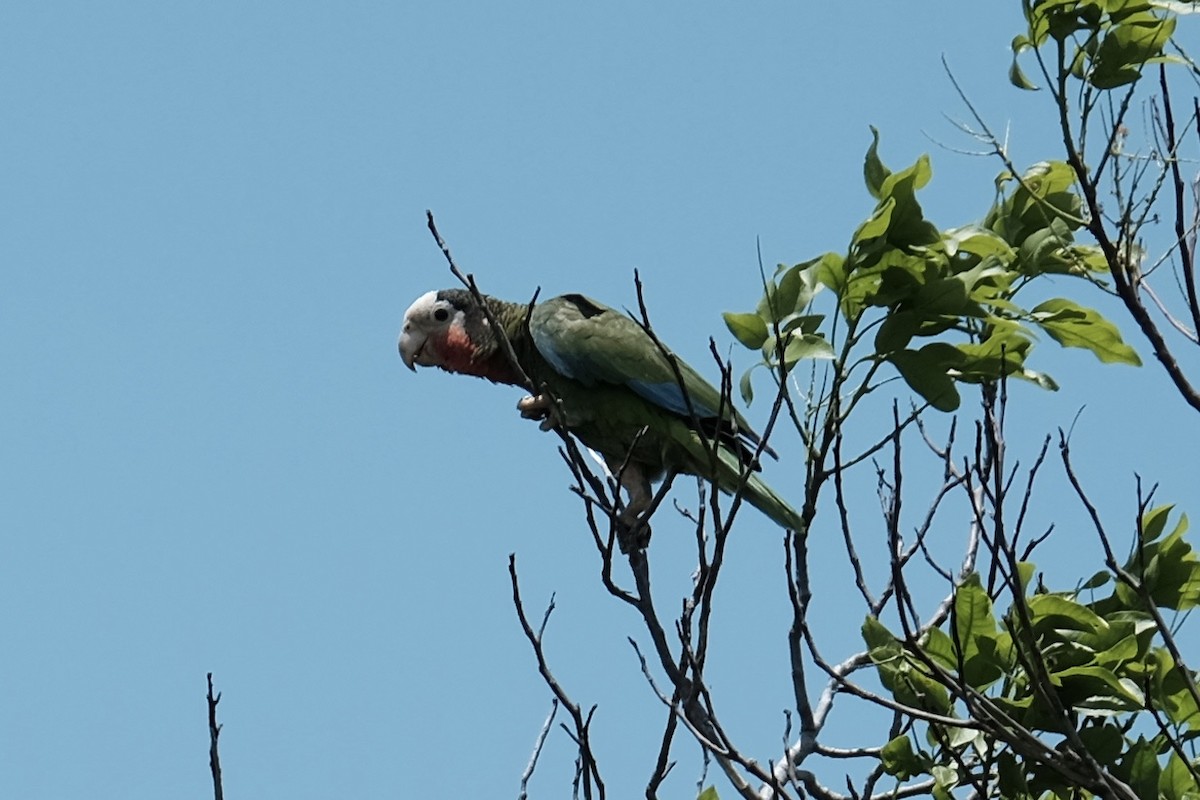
(757, 493)
(764, 498)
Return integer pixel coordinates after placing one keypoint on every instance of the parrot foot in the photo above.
(540, 407)
(633, 534)
(534, 407)
(633, 527)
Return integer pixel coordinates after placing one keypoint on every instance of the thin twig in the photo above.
(468, 280)
(590, 772)
(541, 738)
(214, 732)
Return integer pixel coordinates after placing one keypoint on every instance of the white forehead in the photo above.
(423, 305)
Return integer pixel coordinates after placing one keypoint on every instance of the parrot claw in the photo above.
(532, 407)
(540, 407)
(632, 534)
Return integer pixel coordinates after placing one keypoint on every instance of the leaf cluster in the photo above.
(1111, 41)
(942, 303)
(1097, 675)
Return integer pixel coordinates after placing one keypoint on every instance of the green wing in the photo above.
(594, 344)
(604, 350)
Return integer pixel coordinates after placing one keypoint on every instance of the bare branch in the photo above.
(589, 771)
(523, 794)
(1186, 254)
(214, 732)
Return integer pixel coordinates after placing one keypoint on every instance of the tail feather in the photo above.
(758, 493)
(763, 497)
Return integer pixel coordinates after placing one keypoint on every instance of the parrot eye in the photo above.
(441, 315)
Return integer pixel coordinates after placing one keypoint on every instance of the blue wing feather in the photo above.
(568, 347)
(670, 397)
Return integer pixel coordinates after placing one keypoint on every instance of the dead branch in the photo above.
(580, 733)
(214, 732)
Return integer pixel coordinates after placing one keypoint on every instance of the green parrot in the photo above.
(615, 388)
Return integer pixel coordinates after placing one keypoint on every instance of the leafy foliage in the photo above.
(1110, 40)
(1094, 673)
(942, 303)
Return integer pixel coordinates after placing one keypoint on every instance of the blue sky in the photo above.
(211, 222)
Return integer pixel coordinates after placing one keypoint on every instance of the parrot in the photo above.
(602, 377)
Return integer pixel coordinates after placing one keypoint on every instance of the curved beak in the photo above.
(410, 347)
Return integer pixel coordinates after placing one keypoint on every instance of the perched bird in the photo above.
(600, 375)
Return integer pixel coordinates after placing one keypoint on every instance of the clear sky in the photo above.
(211, 222)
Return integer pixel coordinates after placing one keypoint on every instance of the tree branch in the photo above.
(214, 732)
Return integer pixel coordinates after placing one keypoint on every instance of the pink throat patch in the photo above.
(459, 354)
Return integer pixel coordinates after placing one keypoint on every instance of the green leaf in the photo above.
(879, 638)
(900, 280)
(1086, 258)
(1178, 580)
(1172, 692)
(972, 614)
(874, 172)
(908, 684)
(1016, 75)
(1044, 193)
(1168, 567)
(918, 175)
(1111, 74)
(916, 689)
(1047, 178)
(1025, 572)
(1011, 776)
(806, 345)
(999, 650)
(830, 271)
(1139, 768)
(877, 224)
(1060, 613)
(1176, 781)
(975, 632)
(749, 329)
(977, 241)
(1098, 688)
(1154, 522)
(746, 387)
(1072, 325)
(909, 228)
(900, 760)
(945, 778)
(1002, 353)
(1104, 742)
(926, 373)
(804, 323)
(945, 296)
(790, 292)
(1040, 378)
(940, 647)
(896, 332)
(709, 794)
(1129, 46)
(1041, 251)
(1124, 650)
(1061, 18)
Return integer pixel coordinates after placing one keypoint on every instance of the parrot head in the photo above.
(447, 329)
(433, 330)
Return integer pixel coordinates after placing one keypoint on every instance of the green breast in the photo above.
(612, 419)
